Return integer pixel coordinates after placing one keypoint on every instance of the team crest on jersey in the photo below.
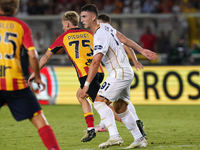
(98, 47)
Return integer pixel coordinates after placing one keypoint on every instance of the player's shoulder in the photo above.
(105, 25)
(107, 28)
(17, 20)
(100, 31)
(75, 30)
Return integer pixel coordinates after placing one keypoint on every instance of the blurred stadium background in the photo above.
(173, 33)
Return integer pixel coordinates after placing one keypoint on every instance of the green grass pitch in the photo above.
(170, 127)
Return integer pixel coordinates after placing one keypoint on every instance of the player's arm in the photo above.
(131, 53)
(91, 73)
(128, 42)
(96, 61)
(34, 63)
(45, 58)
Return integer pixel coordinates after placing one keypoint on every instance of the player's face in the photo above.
(86, 19)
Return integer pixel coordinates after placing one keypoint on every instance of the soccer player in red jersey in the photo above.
(14, 90)
(78, 45)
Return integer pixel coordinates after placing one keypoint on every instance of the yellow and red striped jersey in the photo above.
(78, 44)
(14, 34)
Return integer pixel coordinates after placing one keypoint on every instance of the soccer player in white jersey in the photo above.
(116, 88)
(104, 18)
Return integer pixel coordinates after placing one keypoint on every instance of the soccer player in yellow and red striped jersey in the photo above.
(78, 45)
(14, 90)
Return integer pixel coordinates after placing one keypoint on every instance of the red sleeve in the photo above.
(57, 44)
(27, 38)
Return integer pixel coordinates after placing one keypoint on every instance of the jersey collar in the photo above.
(97, 27)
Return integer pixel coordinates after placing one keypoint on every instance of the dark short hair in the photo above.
(104, 18)
(9, 7)
(90, 8)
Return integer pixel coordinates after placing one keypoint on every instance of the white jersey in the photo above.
(115, 58)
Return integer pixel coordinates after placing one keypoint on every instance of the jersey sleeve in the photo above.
(56, 45)
(100, 43)
(27, 38)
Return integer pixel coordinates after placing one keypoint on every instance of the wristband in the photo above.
(87, 83)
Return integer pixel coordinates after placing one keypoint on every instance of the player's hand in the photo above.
(149, 54)
(40, 84)
(138, 66)
(31, 78)
(83, 92)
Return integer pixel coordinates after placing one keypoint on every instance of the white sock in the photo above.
(129, 120)
(102, 124)
(132, 109)
(107, 116)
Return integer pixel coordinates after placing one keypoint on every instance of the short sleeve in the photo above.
(101, 44)
(56, 45)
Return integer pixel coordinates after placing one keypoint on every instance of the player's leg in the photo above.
(45, 131)
(89, 118)
(138, 121)
(107, 116)
(130, 123)
(24, 105)
(87, 110)
(101, 126)
(132, 109)
(92, 92)
(128, 118)
(108, 91)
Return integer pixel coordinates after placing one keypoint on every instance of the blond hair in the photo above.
(71, 16)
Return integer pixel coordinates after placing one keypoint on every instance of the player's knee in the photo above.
(122, 114)
(120, 106)
(81, 100)
(39, 120)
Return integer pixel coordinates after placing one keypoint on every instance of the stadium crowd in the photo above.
(180, 44)
(50, 7)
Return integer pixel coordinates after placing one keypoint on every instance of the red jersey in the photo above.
(14, 34)
(78, 44)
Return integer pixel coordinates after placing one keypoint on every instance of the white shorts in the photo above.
(113, 89)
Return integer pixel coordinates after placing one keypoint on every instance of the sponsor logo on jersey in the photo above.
(98, 47)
